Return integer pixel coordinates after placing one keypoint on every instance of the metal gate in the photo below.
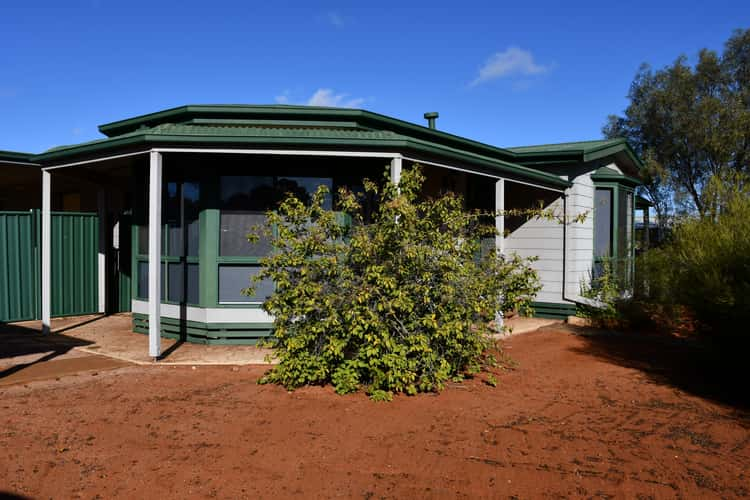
(74, 264)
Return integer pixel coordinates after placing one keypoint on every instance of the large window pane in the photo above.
(247, 193)
(191, 208)
(174, 236)
(233, 279)
(143, 240)
(304, 188)
(174, 274)
(629, 224)
(181, 212)
(177, 272)
(244, 201)
(603, 223)
(193, 237)
(622, 223)
(143, 280)
(193, 284)
(235, 227)
(172, 218)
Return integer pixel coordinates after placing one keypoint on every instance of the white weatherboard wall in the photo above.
(580, 235)
(543, 239)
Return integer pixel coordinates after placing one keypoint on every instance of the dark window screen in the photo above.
(233, 279)
(603, 223)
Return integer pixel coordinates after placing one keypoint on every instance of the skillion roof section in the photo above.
(579, 152)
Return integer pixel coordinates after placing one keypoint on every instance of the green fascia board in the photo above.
(376, 140)
(583, 151)
(16, 157)
(605, 174)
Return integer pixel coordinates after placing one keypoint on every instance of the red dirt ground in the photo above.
(588, 417)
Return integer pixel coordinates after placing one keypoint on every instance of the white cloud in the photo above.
(282, 98)
(327, 97)
(322, 97)
(336, 19)
(512, 62)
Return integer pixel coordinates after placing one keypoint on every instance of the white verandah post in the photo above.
(46, 250)
(500, 236)
(396, 170)
(499, 216)
(102, 255)
(154, 254)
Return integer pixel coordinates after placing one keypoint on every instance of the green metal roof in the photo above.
(585, 146)
(217, 132)
(16, 157)
(569, 152)
(606, 174)
(279, 113)
(230, 132)
(291, 125)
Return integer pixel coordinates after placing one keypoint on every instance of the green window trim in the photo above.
(619, 190)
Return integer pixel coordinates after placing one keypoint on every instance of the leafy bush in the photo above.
(705, 266)
(400, 304)
(604, 293)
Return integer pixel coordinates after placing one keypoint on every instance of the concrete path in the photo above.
(111, 336)
(98, 342)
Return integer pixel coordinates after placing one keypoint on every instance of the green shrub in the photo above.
(400, 304)
(705, 266)
(604, 292)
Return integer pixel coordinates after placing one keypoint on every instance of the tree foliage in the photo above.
(689, 123)
(705, 265)
(400, 304)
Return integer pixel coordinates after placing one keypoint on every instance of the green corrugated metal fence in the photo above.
(75, 248)
(19, 267)
(74, 264)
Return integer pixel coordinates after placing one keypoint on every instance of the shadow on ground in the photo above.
(697, 367)
(17, 341)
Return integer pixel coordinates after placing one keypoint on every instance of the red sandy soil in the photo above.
(580, 417)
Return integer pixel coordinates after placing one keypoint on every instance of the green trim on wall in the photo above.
(619, 189)
(206, 333)
(553, 310)
(606, 174)
(209, 252)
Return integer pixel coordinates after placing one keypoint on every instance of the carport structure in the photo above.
(196, 178)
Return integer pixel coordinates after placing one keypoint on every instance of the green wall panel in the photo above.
(553, 310)
(74, 263)
(18, 266)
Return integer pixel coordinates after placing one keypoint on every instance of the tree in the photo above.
(399, 304)
(690, 124)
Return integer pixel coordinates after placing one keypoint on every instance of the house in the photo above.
(160, 207)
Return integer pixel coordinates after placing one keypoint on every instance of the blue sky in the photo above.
(499, 72)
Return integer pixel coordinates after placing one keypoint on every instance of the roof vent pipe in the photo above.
(431, 117)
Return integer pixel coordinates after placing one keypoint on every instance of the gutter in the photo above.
(399, 142)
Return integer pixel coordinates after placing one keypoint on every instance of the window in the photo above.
(602, 223)
(244, 201)
(180, 244)
(233, 279)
